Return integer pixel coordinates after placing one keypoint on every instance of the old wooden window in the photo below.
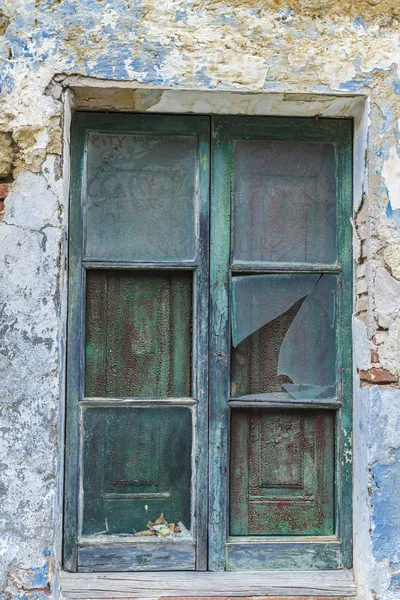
(209, 368)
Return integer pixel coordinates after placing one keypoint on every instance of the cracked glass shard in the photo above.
(308, 351)
(259, 299)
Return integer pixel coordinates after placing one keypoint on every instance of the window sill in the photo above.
(323, 584)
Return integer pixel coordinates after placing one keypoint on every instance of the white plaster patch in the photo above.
(31, 203)
(386, 54)
(387, 294)
(361, 347)
(110, 17)
(391, 176)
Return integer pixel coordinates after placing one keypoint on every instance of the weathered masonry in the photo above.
(200, 296)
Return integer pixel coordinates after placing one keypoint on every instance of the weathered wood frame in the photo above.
(102, 554)
(334, 552)
(295, 553)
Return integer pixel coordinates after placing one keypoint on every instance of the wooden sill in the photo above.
(183, 584)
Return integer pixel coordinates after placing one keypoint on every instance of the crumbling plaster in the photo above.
(310, 58)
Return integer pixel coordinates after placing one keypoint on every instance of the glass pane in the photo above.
(136, 467)
(138, 333)
(258, 299)
(140, 197)
(282, 472)
(284, 330)
(284, 202)
(308, 352)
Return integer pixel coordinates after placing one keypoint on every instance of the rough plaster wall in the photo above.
(303, 47)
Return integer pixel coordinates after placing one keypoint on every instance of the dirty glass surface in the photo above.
(282, 472)
(308, 352)
(136, 469)
(284, 202)
(140, 197)
(138, 333)
(284, 337)
(258, 299)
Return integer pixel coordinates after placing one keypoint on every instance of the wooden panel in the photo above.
(285, 195)
(136, 465)
(281, 401)
(336, 584)
(140, 197)
(138, 333)
(290, 555)
(163, 556)
(219, 350)
(282, 472)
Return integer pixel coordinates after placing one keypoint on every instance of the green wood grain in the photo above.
(287, 555)
(286, 458)
(219, 346)
(200, 359)
(157, 556)
(136, 465)
(138, 333)
(76, 283)
(344, 463)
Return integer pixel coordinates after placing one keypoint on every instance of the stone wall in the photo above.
(300, 48)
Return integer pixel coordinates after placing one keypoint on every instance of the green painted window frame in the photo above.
(211, 360)
(333, 552)
(102, 555)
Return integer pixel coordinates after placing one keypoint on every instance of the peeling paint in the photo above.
(316, 58)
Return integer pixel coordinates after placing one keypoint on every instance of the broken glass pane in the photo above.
(140, 197)
(258, 299)
(284, 337)
(308, 352)
(284, 202)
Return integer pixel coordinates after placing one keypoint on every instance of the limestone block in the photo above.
(6, 154)
(391, 255)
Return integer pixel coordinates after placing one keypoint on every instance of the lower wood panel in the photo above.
(282, 472)
(283, 555)
(147, 556)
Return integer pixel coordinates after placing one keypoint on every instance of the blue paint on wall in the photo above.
(392, 214)
(40, 576)
(359, 22)
(388, 124)
(386, 512)
(181, 15)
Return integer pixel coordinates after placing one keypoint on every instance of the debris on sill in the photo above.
(161, 528)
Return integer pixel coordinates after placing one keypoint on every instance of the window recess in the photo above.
(209, 344)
